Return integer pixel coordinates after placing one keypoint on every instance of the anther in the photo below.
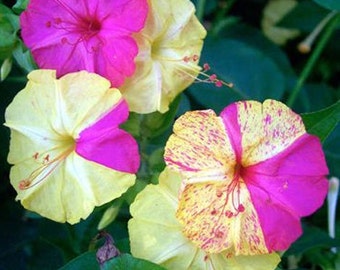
(206, 67)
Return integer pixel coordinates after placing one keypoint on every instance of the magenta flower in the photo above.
(84, 35)
(248, 176)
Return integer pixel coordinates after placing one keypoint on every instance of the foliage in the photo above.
(238, 52)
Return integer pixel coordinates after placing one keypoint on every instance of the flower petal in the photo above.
(108, 145)
(212, 220)
(70, 201)
(199, 147)
(266, 129)
(286, 187)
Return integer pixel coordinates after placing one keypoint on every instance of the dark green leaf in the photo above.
(330, 4)
(126, 261)
(305, 16)
(312, 237)
(86, 261)
(331, 147)
(257, 69)
(322, 123)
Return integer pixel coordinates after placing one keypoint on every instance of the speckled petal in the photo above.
(265, 129)
(221, 217)
(199, 147)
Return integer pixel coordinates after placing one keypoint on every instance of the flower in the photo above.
(87, 35)
(169, 48)
(156, 234)
(249, 175)
(68, 152)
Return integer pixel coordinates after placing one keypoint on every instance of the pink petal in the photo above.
(286, 187)
(280, 225)
(108, 145)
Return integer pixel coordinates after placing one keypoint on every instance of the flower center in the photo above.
(233, 193)
(77, 28)
(48, 165)
(89, 26)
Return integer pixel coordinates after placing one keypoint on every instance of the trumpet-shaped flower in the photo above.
(249, 175)
(157, 235)
(169, 47)
(87, 35)
(68, 151)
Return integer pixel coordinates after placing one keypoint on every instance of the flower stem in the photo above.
(313, 58)
(200, 9)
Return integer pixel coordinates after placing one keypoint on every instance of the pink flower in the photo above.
(84, 35)
(249, 175)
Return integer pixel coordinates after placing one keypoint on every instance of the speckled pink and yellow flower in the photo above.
(249, 175)
(68, 152)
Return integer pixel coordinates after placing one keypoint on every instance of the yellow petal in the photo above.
(171, 32)
(44, 96)
(72, 191)
(266, 129)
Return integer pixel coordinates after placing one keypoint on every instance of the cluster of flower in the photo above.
(235, 185)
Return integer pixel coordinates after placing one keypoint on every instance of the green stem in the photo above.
(200, 9)
(313, 58)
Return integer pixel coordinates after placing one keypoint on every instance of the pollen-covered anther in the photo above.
(42, 172)
(202, 76)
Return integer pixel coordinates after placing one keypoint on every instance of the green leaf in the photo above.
(126, 261)
(153, 124)
(24, 57)
(86, 261)
(322, 123)
(9, 25)
(329, 4)
(20, 6)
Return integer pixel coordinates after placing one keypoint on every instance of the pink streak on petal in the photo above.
(286, 187)
(105, 143)
(230, 119)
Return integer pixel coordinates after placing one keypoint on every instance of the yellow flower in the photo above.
(68, 152)
(157, 235)
(169, 47)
